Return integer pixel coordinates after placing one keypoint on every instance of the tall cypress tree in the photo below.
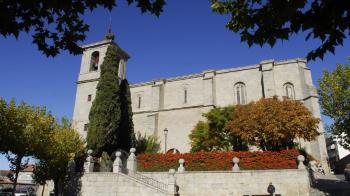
(125, 139)
(105, 113)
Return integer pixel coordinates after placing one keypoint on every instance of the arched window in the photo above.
(95, 57)
(240, 92)
(173, 151)
(289, 90)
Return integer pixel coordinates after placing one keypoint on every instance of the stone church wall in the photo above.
(161, 104)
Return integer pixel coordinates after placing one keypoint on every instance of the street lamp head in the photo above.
(165, 131)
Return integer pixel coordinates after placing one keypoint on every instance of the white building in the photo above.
(178, 103)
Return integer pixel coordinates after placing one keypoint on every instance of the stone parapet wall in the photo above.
(111, 184)
(291, 182)
(287, 182)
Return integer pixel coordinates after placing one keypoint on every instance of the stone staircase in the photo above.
(150, 182)
(128, 176)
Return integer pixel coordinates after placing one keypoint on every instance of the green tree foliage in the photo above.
(105, 113)
(211, 135)
(126, 128)
(199, 137)
(3, 129)
(265, 22)
(56, 25)
(146, 144)
(111, 126)
(273, 124)
(334, 94)
(106, 163)
(25, 133)
(65, 144)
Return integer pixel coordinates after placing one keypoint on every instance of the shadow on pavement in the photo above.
(332, 186)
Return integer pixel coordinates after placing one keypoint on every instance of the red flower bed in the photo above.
(214, 161)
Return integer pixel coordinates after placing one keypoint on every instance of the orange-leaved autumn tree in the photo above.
(273, 124)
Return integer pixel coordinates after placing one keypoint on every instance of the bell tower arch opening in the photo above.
(95, 58)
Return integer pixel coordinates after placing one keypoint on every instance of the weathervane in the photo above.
(110, 35)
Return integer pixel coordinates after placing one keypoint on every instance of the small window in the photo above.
(240, 92)
(289, 91)
(185, 96)
(95, 57)
(86, 127)
(139, 102)
(89, 98)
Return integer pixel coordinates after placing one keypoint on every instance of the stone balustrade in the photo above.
(117, 164)
(301, 160)
(181, 168)
(235, 167)
(131, 163)
(172, 182)
(89, 164)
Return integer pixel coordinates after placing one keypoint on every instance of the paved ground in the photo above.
(332, 185)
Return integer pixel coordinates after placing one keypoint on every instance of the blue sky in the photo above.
(187, 38)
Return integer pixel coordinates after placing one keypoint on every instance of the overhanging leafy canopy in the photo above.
(58, 25)
(265, 22)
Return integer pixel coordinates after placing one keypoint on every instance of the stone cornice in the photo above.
(96, 44)
(85, 81)
(172, 109)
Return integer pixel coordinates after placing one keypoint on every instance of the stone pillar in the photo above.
(268, 78)
(158, 95)
(171, 182)
(235, 167)
(317, 148)
(209, 87)
(181, 168)
(131, 164)
(117, 164)
(89, 165)
(301, 160)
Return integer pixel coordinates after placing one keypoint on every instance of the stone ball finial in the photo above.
(172, 171)
(89, 152)
(235, 160)
(118, 154)
(181, 161)
(132, 150)
(301, 158)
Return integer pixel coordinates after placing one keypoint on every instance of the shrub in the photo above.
(219, 161)
(273, 124)
(146, 144)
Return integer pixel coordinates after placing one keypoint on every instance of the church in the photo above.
(170, 108)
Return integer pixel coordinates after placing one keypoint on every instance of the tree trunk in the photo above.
(18, 162)
(58, 184)
(56, 189)
(42, 192)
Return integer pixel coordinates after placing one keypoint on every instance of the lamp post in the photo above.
(165, 137)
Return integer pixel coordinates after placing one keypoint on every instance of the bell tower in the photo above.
(91, 61)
